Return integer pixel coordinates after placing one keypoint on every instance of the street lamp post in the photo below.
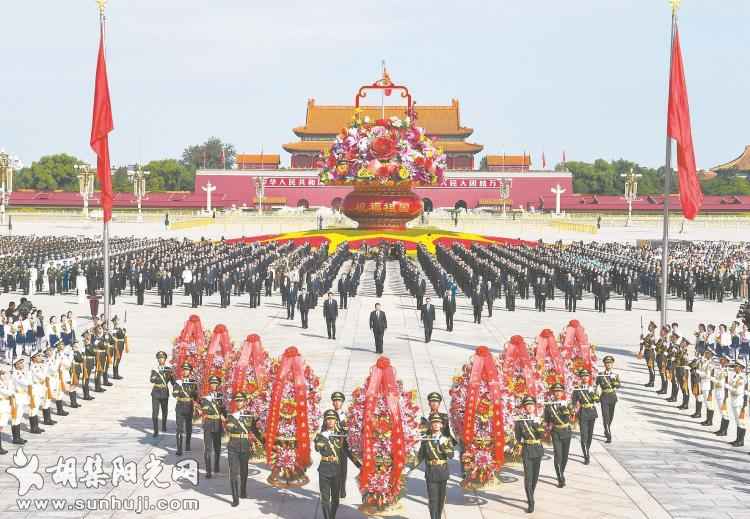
(138, 177)
(505, 185)
(631, 192)
(86, 175)
(260, 191)
(6, 182)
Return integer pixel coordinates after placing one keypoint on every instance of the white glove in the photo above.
(326, 434)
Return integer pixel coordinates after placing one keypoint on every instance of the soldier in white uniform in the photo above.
(6, 393)
(41, 388)
(24, 400)
(737, 382)
(56, 377)
(705, 370)
(720, 393)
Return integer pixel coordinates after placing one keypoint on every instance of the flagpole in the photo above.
(667, 189)
(105, 230)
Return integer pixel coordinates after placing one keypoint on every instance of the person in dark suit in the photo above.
(164, 287)
(331, 313)
(571, 293)
(427, 316)
(477, 302)
(269, 283)
(689, 294)
(291, 301)
(304, 302)
(378, 325)
(344, 287)
(140, 286)
(449, 309)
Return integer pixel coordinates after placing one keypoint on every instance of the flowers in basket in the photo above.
(521, 377)
(216, 359)
(189, 346)
(251, 366)
(289, 420)
(478, 416)
(383, 435)
(390, 150)
(576, 350)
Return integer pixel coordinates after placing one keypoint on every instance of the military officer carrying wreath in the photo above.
(161, 377)
(331, 446)
(185, 391)
(436, 449)
(212, 412)
(557, 417)
(607, 383)
(244, 440)
(528, 433)
(583, 401)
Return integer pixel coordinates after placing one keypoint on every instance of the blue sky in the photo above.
(588, 77)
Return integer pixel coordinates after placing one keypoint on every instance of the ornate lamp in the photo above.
(505, 185)
(138, 177)
(631, 192)
(86, 175)
(6, 181)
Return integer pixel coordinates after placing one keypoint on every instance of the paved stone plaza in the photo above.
(661, 464)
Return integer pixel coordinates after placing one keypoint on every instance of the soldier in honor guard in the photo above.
(185, 392)
(6, 406)
(435, 450)
(607, 384)
(76, 373)
(528, 432)
(721, 393)
(41, 387)
(434, 399)
(331, 446)
(89, 365)
(337, 400)
(161, 377)
(212, 411)
(21, 385)
(647, 352)
(57, 376)
(661, 349)
(100, 355)
(244, 440)
(682, 370)
(672, 354)
(109, 343)
(557, 417)
(584, 400)
(119, 334)
(738, 400)
(705, 372)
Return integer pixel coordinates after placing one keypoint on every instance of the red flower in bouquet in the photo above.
(383, 148)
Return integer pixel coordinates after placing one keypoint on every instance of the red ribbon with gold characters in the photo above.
(291, 366)
(483, 367)
(546, 344)
(517, 355)
(577, 341)
(251, 354)
(193, 330)
(218, 345)
(382, 384)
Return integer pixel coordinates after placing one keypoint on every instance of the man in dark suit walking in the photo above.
(291, 300)
(344, 287)
(428, 318)
(304, 303)
(449, 308)
(378, 325)
(330, 312)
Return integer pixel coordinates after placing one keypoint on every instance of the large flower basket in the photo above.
(189, 346)
(384, 435)
(477, 414)
(291, 418)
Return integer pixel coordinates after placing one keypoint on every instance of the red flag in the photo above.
(101, 125)
(678, 128)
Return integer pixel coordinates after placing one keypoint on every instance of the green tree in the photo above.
(120, 181)
(50, 173)
(735, 185)
(605, 178)
(208, 155)
(169, 175)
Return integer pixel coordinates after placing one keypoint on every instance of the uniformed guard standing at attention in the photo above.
(557, 416)
(337, 400)
(100, 353)
(647, 352)
(161, 377)
(213, 411)
(607, 384)
(185, 391)
(434, 399)
(528, 432)
(89, 366)
(583, 401)
(737, 383)
(109, 343)
(120, 335)
(661, 350)
(436, 449)
(330, 444)
(244, 440)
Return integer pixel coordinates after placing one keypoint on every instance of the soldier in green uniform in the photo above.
(161, 377)
(89, 365)
(331, 446)
(212, 412)
(434, 399)
(672, 372)
(528, 432)
(185, 392)
(337, 400)
(119, 335)
(661, 349)
(435, 450)
(607, 384)
(557, 417)
(76, 374)
(647, 353)
(244, 440)
(109, 343)
(583, 401)
(100, 352)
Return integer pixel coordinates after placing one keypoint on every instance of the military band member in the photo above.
(737, 382)
(6, 393)
(244, 440)
(721, 393)
(185, 392)
(647, 352)
(161, 377)
(20, 384)
(119, 334)
(584, 400)
(89, 365)
(705, 372)
(100, 354)
(528, 433)
(212, 411)
(41, 387)
(331, 446)
(337, 400)
(557, 417)
(607, 384)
